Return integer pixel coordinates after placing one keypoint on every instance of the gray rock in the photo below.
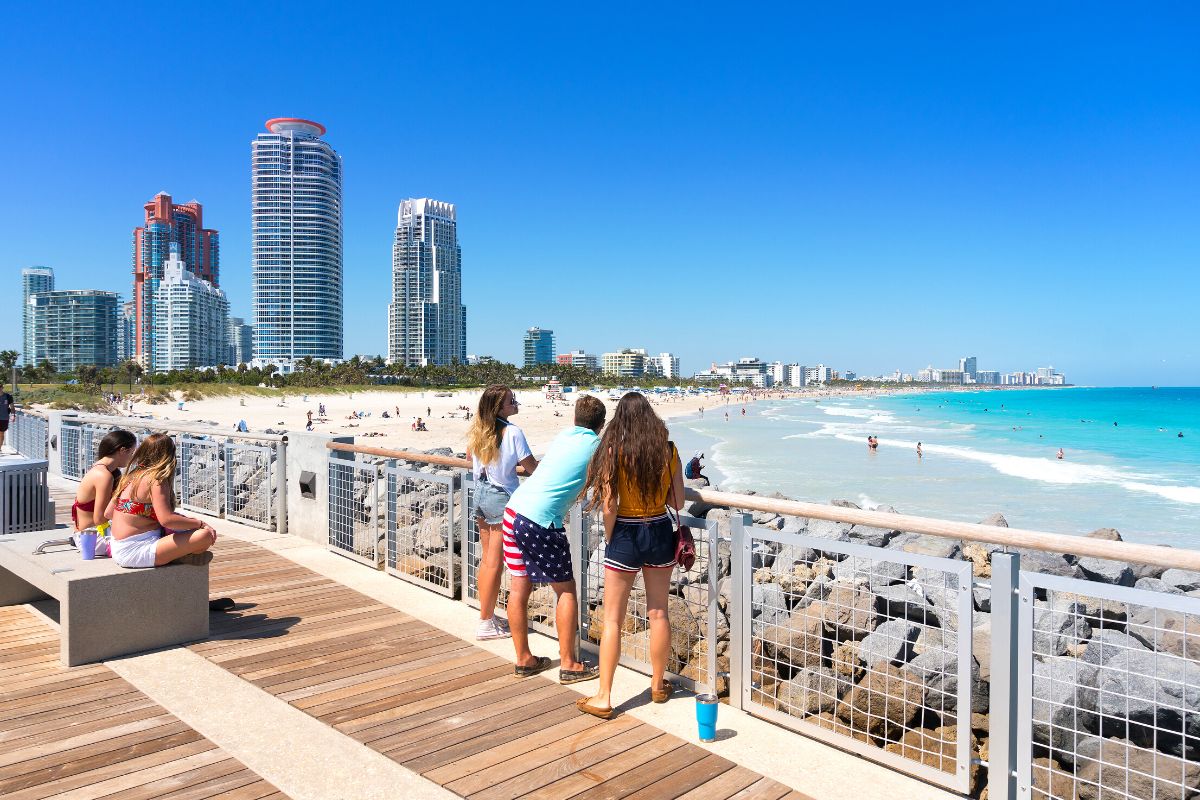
(982, 597)
(1156, 585)
(1056, 628)
(794, 525)
(763, 555)
(824, 529)
(844, 504)
(872, 537)
(1106, 571)
(1046, 563)
(875, 574)
(850, 611)
(1167, 631)
(981, 644)
(902, 601)
(1151, 698)
(790, 555)
(1106, 644)
(936, 546)
(940, 589)
(768, 606)
(937, 670)
(1106, 768)
(1107, 534)
(890, 643)
(1064, 704)
(1182, 579)
(810, 691)
(996, 520)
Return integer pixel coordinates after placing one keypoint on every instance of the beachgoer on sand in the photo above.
(633, 477)
(497, 448)
(535, 542)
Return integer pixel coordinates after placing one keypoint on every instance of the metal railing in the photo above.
(924, 644)
(423, 543)
(24, 497)
(29, 434)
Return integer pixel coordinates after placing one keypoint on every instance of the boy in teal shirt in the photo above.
(535, 542)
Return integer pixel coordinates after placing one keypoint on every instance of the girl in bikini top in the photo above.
(127, 505)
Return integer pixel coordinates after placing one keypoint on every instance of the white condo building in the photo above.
(664, 365)
(427, 322)
(190, 319)
(33, 280)
(296, 228)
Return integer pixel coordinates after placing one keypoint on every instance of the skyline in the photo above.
(1006, 184)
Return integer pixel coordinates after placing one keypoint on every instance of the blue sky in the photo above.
(873, 188)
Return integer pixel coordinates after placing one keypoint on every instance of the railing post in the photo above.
(281, 487)
(714, 578)
(578, 547)
(738, 609)
(1002, 727)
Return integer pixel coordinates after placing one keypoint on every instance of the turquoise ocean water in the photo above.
(984, 451)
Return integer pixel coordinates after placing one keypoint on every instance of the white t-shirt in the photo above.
(503, 471)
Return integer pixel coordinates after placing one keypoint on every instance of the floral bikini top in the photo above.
(137, 508)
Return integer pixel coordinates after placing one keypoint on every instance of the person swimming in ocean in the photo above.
(919, 454)
(1060, 454)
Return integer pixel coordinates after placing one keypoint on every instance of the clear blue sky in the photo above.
(888, 186)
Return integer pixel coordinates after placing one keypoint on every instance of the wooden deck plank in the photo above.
(762, 789)
(675, 783)
(608, 769)
(724, 785)
(497, 748)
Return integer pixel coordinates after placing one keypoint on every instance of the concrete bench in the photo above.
(105, 610)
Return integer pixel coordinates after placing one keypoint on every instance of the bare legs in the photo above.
(177, 545)
(658, 585)
(491, 562)
(565, 619)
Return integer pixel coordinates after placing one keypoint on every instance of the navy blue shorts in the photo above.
(531, 551)
(641, 542)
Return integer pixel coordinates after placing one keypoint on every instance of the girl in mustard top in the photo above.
(633, 476)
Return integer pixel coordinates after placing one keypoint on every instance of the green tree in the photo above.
(132, 369)
(87, 374)
(8, 360)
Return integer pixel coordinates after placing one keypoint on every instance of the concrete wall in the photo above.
(308, 517)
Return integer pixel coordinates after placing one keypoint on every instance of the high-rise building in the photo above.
(967, 366)
(126, 317)
(663, 365)
(74, 328)
(239, 342)
(539, 346)
(578, 358)
(168, 226)
(296, 243)
(190, 318)
(427, 322)
(33, 280)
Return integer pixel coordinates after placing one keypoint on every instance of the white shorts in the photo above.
(137, 552)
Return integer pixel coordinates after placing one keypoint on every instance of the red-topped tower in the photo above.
(167, 224)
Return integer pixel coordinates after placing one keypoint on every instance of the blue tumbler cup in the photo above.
(706, 716)
(87, 545)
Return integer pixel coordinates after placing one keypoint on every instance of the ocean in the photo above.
(1124, 465)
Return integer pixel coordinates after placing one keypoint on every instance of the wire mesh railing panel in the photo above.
(422, 536)
(688, 609)
(1109, 690)
(28, 434)
(24, 497)
(864, 647)
(355, 494)
(200, 481)
(473, 554)
(248, 486)
(69, 443)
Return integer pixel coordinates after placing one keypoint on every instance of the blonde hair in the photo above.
(487, 429)
(154, 461)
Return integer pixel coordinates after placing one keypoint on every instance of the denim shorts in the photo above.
(490, 501)
(641, 542)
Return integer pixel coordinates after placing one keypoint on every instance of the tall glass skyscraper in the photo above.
(75, 328)
(168, 226)
(296, 227)
(33, 280)
(539, 347)
(427, 322)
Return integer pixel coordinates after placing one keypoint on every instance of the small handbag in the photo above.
(685, 544)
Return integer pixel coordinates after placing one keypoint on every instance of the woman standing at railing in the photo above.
(634, 475)
(99, 482)
(497, 448)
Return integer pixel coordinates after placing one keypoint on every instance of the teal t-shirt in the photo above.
(547, 494)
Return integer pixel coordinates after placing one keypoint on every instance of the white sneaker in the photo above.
(488, 629)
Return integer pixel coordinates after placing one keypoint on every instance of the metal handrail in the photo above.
(203, 430)
(1156, 555)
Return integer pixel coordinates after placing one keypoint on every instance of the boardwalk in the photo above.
(85, 732)
(438, 705)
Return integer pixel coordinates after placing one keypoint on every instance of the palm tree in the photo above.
(8, 363)
(131, 369)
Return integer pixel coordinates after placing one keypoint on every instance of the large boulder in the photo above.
(801, 640)
(809, 692)
(1156, 585)
(890, 643)
(872, 537)
(1106, 645)
(1064, 704)
(849, 611)
(936, 546)
(768, 607)
(996, 520)
(1182, 579)
(882, 704)
(903, 601)
(1110, 768)
(685, 629)
(1170, 632)
(936, 671)
(1106, 534)
(1105, 571)
(1047, 563)
(1156, 695)
(1058, 627)
(871, 573)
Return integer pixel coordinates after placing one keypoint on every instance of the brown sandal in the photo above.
(602, 713)
(664, 694)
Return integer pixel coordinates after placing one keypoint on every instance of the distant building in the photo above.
(747, 369)
(427, 322)
(850, 376)
(296, 243)
(74, 328)
(967, 366)
(626, 363)
(663, 365)
(954, 376)
(578, 358)
(474, 360)
(793, 375)
(33, 281)
(927, 375)
(820, 375)
(778, 372)
(126, 331)
(190, 320)
(168, 226)
(540, 347)
(987, 377)
(239, 342)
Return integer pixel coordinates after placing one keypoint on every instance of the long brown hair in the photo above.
(154, 461)
(113, 442)
(634, 445)
(487, 429)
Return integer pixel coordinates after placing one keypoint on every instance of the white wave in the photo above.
(870, 414)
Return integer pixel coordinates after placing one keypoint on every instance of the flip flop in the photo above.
(221, 604)
(541, 665)
(664, 694)
(602, 713)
